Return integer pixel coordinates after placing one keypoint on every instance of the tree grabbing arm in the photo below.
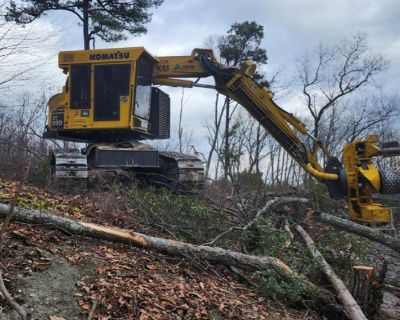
(238, 85)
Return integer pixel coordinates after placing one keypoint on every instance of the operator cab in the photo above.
(108, 97)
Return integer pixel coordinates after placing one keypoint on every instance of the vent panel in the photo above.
(160, 114)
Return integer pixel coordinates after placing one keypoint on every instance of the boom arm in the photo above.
(239, 86)
(356, 181)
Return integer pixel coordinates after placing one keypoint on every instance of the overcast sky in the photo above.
(292, 27)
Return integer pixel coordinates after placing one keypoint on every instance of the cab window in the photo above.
(80, 86)
(111, 82)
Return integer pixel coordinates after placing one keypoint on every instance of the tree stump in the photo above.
(366, 287)
(360, 285)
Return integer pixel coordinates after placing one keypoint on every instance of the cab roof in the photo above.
(66, 58)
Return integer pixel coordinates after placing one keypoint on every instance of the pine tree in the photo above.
(107, 19)
(242, 42)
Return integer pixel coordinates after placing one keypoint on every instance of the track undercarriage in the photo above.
(73, 168)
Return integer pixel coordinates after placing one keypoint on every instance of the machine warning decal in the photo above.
(183, 67)
(109, 56)
(57, 120)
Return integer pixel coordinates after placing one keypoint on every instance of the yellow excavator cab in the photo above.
(109, 97)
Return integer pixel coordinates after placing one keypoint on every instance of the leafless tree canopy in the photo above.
(335, 72)
(21, 141)
(21, 52)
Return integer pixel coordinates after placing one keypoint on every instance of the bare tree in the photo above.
(20, 142)
(337, 72)
(357, 118)
(255, 140)
(180, 128)
(20, 51)
(213, 131)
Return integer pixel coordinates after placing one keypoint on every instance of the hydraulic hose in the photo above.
(319, 174)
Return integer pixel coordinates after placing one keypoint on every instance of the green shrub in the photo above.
(189, 218)
(263, 238)
(271, 285)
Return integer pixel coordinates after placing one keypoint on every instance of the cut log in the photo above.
(345, 224)
(176, 248)
(361, 230)
(351, 307)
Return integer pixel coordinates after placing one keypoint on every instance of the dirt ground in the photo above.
(51, 292)
(46, 280)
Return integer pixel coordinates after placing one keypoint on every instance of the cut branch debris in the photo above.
(12, 206)
(350, 305)
(7, 296)
(270, 205)
(289, 241)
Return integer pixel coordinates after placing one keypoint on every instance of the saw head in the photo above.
(359, 178)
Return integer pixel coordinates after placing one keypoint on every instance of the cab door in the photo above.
(111, 85)
(142, 99)
(78, 107)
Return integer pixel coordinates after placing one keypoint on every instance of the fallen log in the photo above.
(361, 230)
(349, 226)
(176, 248)
(350, 305)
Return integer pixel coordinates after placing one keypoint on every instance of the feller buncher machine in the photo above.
(112, 100)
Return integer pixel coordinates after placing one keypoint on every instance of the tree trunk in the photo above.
(86, 38)
(316, 135)
(180, 128)
(176, 248)
(360, 285)
(351, 307)
(257, 153)
(227, 155)
(358, 229)
(366, 286)
(217, 123)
